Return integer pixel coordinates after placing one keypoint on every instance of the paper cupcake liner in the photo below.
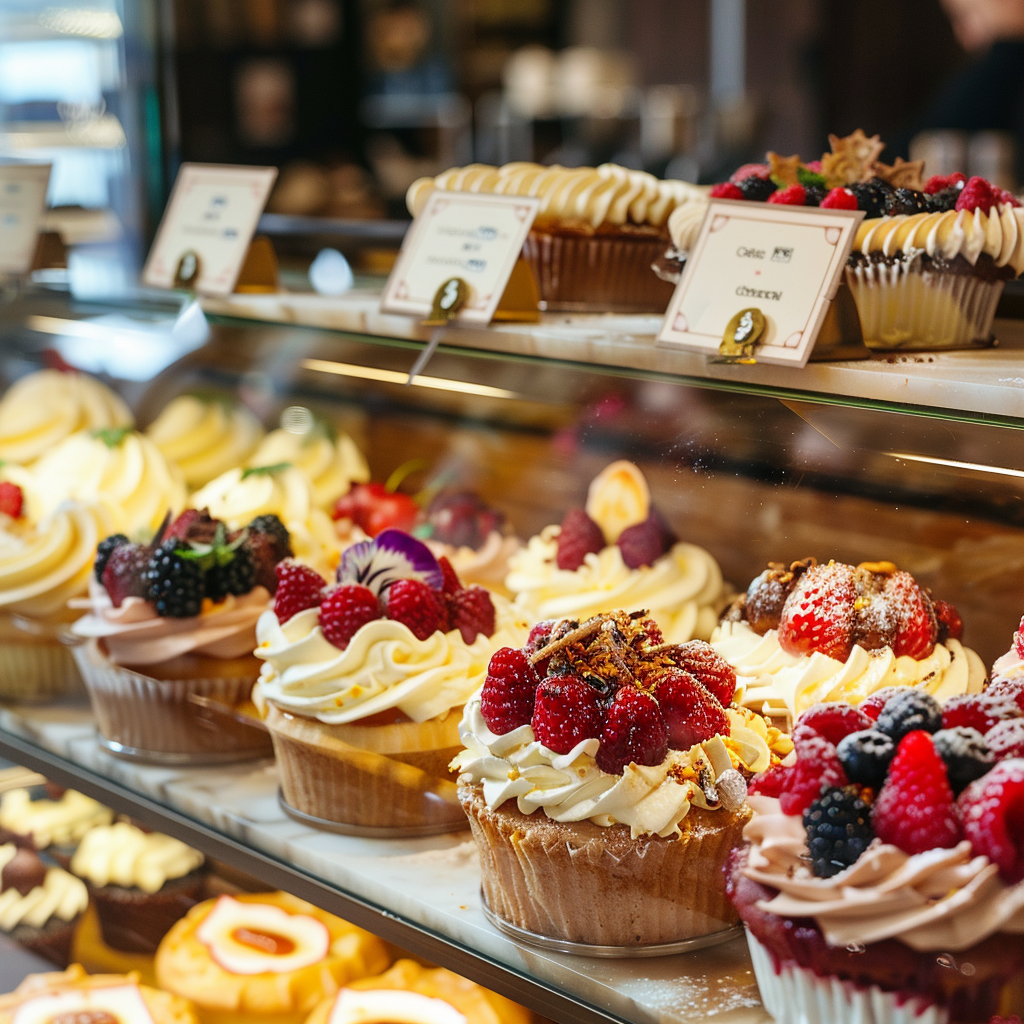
(36, 672)
(597, 273)
(328, 778)
(904, 306)
(587, 884)
(156, 720)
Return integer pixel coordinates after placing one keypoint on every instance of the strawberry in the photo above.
(977, 194)
(951, 626)
(916, 626)
(839, 199)
(298, 587)
(344, 610)
(472, 613)
(11, 499)
(915, 809)
(124, 574)
(708, 667)
(725, 190)
(579, 536)
(507, 697)
(691, 713)
(992, 812)
(566, 711)
(417, 606)
(634, 732)
(819, 613)
(791, 195)
(373, 508)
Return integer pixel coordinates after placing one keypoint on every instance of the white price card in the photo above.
(207, 227)
(477, 238)
(782, 262)
(22, 201)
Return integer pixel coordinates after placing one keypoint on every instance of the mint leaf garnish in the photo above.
(112, 436)
(265, 470)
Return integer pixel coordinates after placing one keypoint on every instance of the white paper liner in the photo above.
(36, 672)
(795, 995)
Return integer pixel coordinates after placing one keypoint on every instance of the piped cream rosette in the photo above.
(52, 822)
(60, 897)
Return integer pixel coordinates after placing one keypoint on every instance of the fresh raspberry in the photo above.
(11, 499)
(1018, 639)
(916, 626)
(792, 195)
(992, 812)
(691, 712)
(417, 606)
(471, 612)
(506, 700)
(725, 190)
(839, 199)
(298, 588)
(769, 783)
(951, 626)
(644, 543)
(977, 194)
(1012, 688)
(344, 610)
(125, 572)
(915, 809)
(818, 765)
(750, 171)
(1006, 739)
(819, 614)
(940, 182)
(1005, 198)
(565, 712)
(873, 706)
(834, 720)
(452, 583)
(708, 667)
(579, 536)
(539, 634)
(979, 711)
(634, 732)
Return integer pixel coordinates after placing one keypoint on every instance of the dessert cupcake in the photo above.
(595, 236)
(807, 633)
(141, 883)
(166, 647)
(363, 684)
(205, 437)
(39, 905)
(883, 880)
(604, 777)
(74, 995)
(44, 408)
(409, 992)
(618, 553)
(265, 958)
(55, 822)
(42, 566)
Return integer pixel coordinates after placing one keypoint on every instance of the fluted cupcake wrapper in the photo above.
(157, 720)
(36, 672)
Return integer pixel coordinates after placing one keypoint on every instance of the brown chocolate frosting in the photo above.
(24, 872)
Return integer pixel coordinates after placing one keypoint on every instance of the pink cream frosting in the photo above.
(937, 900)
(135, 635)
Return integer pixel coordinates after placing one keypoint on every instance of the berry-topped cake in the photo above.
(364, 681)
(169, 634)
(885, 873)
(605, 776)
(618, 552)
(806, 633)
(930, 258)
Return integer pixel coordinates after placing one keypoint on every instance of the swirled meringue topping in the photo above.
(44, 408)
(121, 854)
(60, 896)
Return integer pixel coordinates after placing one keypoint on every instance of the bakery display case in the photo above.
(911, 459)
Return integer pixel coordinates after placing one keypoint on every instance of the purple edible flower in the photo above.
(392, 556)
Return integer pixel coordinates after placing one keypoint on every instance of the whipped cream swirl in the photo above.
(61, 896)
(121, 854)
(47, 822)
(331, 467)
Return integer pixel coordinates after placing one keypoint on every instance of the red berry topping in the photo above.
(819, 614)
(124, 575)
(750, 171)
(951, 626)
(833, 721)
(194, 524)
(1007, 687)
(916, 626)
(471, 612)
(992, 811)
(539, 634)
(634, 732)
(818, 765)
(691, 713)
(417, 606)
(565, 712)
(769, 783)
(1006, 739)
(940, 182)
(344, 610)
(839, 199)
(979, 711)
(1004, 197)
(506, 700)
(1018, 639)
(709, 668)
(872, 706)
(977, 194)
(298, 588)
(11, 499)
(452, 583)
(644, 543)
(792, 195)
(915, 809)
(579, 536)
(725, 190)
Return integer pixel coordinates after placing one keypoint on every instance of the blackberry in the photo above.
(106, 548)
(907, 711)
(813, 195)
(907, 200)
(966, 754)
(234, 572)
(174, 582)
(865, 756)
(871, 196)
(756, 189)
(838, 826)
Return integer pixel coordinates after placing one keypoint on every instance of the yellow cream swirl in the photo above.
(781, 685)
(205, 438)
(42, 409)
(121, 854)
(331, 467)
(384, 666)
(685, 223)
(42, 567)
(61, 896)
(683, 590)
(52, 822)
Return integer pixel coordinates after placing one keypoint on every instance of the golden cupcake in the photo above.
(265, 958)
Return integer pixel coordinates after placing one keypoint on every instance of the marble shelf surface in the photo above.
(987, 381)
(433, 882)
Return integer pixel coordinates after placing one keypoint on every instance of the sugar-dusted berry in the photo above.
(298, 587)
(345, 609)
(691, 713)
(770, 782)
(124, 575)
(865, 756)
(838, 827)
(872, 706)
(817, 766)
(566, 711)
(418, 606)
(1006, 739)
(910, 710)
(992, 809)
(951, 626)
(634, 732)
(819, 614)
(979, 711)
(966, 754)
(578, 537)
(708, 667)
(507, 697)
(916, 625)
(834, 720)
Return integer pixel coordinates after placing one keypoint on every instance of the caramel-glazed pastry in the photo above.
(265, 957)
